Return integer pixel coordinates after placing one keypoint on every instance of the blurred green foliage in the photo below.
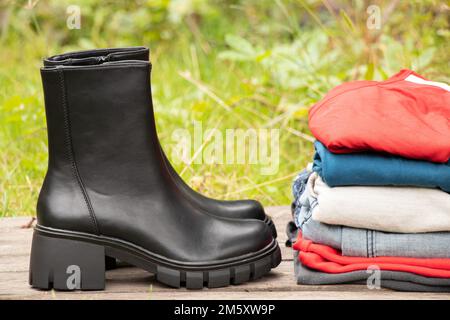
(267, 61)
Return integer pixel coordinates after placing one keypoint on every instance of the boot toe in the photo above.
(244, 237)
(245, 209)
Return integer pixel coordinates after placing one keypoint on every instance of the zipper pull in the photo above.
(102, 59)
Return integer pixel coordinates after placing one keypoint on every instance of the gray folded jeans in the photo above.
(363, 242)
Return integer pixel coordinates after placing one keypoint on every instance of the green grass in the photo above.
(228, 64)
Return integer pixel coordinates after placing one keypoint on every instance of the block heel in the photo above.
(66, 264)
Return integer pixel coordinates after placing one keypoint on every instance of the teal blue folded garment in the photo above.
(370, 169)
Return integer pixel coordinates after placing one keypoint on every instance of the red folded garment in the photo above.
(330, 260)
(405, 115)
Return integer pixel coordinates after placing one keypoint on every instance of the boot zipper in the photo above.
(103, 59)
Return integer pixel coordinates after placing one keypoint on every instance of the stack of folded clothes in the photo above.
(376, 197)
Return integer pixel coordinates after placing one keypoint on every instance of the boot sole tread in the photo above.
(55, 259)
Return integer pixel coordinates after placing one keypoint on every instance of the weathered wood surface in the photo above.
(133, 283)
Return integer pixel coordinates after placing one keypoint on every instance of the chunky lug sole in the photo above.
(65, 260)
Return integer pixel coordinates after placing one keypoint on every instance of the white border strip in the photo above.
(415, 79)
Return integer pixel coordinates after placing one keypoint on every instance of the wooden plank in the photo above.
(205, 295)
(133, 283)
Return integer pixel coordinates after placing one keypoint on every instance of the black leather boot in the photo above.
(108, 191)
(237, 209)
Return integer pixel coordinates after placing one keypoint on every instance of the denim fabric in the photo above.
(363, 242)
(299, 183)
(365, 169)
(298, 187)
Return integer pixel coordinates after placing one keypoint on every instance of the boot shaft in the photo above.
(98, 56)
(82, 89)
(101, 136)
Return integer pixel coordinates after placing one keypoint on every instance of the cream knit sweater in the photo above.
(390, 209)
